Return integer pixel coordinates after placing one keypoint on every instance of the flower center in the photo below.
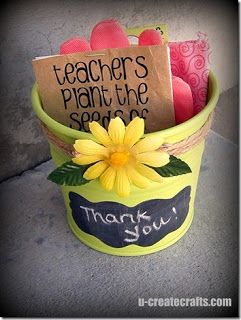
(119, 158)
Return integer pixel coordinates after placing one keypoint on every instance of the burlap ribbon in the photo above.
(171, 148)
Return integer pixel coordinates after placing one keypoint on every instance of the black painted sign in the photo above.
(118, 225)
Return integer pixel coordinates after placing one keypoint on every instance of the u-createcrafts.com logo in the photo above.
(185, 302)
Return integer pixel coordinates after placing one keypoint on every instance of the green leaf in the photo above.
(175, 167)
(69, 174)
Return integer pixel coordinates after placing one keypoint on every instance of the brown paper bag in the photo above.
(82, 87)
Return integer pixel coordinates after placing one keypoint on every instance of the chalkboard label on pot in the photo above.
(119, 226)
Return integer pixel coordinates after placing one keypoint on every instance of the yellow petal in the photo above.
(122, 183)
(89, 147)
(95, 171)
(148, 172)
(134, 131)
(153, 158)
(136, 178)
(83, 159)
(149, 143)
(100, 133)
(116, 130)
(107, 178)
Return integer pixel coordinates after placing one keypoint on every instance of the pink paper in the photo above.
(190, 61)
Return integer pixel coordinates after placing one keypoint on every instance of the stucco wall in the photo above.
(35, 28)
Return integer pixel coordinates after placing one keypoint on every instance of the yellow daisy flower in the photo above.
(121, 157)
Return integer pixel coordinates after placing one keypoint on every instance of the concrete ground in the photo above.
(47, 271)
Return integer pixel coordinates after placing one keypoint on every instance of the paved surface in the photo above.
(46, 271)
(226, 120)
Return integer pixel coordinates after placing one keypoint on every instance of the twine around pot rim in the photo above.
(174, 149)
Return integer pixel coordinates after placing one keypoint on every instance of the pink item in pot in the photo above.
(74, 45)
(190, 61)
(108, 34)
(182, 99)
(150, 37)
